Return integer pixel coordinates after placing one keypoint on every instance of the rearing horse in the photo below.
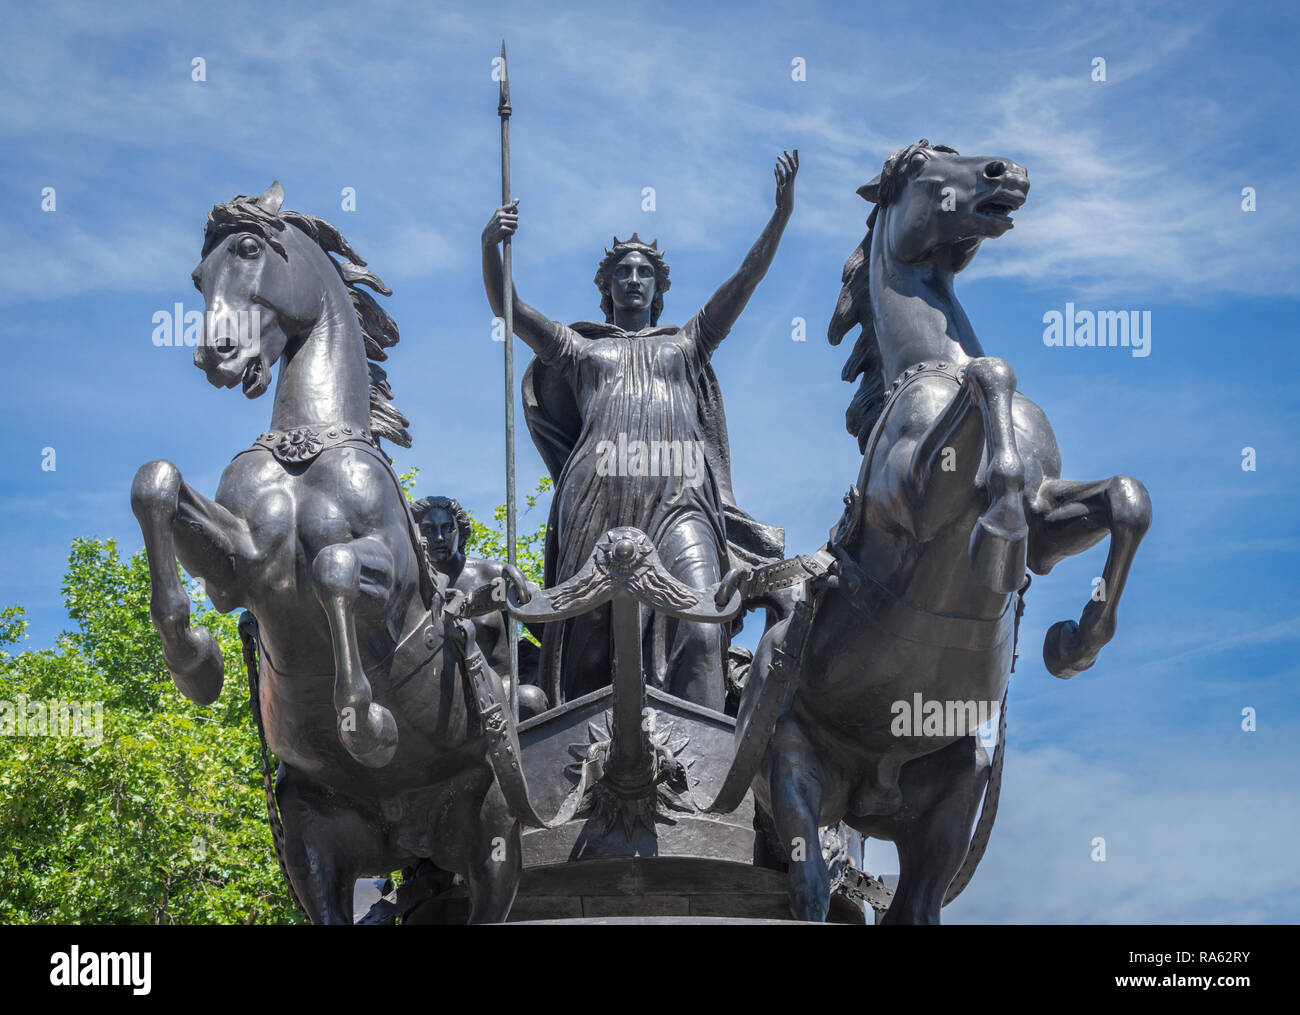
(959, 492)
(383, 759)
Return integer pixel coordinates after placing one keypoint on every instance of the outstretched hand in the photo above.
(787, 165)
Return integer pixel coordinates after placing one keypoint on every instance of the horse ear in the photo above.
(272, 199)
(870, 191)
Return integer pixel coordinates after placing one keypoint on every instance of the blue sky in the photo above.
(1136, 204)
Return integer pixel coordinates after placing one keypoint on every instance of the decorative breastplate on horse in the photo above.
(302, 444)
(925, 367)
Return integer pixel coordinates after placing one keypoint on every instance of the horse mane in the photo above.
(854, 305)
(854, 308)
(379, 331)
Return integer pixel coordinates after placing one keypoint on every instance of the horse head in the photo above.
(255, 297)
(942, 205)
(268, 281)
(932, 210)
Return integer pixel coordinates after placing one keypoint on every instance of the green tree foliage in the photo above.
(164, 821)
(490, 540)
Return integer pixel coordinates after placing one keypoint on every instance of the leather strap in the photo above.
(780, 575)
(782, 675)
(248, 637)
(988, 812)
(478, 603)
(498, 726)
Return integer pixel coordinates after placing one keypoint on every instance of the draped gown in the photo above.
(632, 387)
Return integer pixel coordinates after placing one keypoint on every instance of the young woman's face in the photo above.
(632, 282)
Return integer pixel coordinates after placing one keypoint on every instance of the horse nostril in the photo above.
(995, 169)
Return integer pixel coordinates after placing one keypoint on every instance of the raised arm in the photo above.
(724, 307)
(529, 323)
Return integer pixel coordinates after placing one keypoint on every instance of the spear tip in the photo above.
(503, 100)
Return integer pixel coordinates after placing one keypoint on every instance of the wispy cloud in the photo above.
(1122, 200)
(1191, 847)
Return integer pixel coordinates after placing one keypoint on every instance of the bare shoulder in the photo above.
(479, 571)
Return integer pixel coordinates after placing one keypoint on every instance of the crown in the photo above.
(634, 241)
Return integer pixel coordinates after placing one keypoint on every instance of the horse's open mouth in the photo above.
(1000, 206)
(255, 379)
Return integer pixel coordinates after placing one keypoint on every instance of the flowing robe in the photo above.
(594, 392)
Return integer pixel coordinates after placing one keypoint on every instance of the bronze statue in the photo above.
(628, 416)
(958, 493)
(397, 738)
(445, 527)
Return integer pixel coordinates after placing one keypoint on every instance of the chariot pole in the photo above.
(507, 301)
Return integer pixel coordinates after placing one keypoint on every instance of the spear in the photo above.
(508, 301)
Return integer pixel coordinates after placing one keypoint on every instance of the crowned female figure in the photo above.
(628, 416)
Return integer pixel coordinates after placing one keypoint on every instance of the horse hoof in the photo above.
(997, 553)
(200, 678)
(1061, 652)
(374, 741)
